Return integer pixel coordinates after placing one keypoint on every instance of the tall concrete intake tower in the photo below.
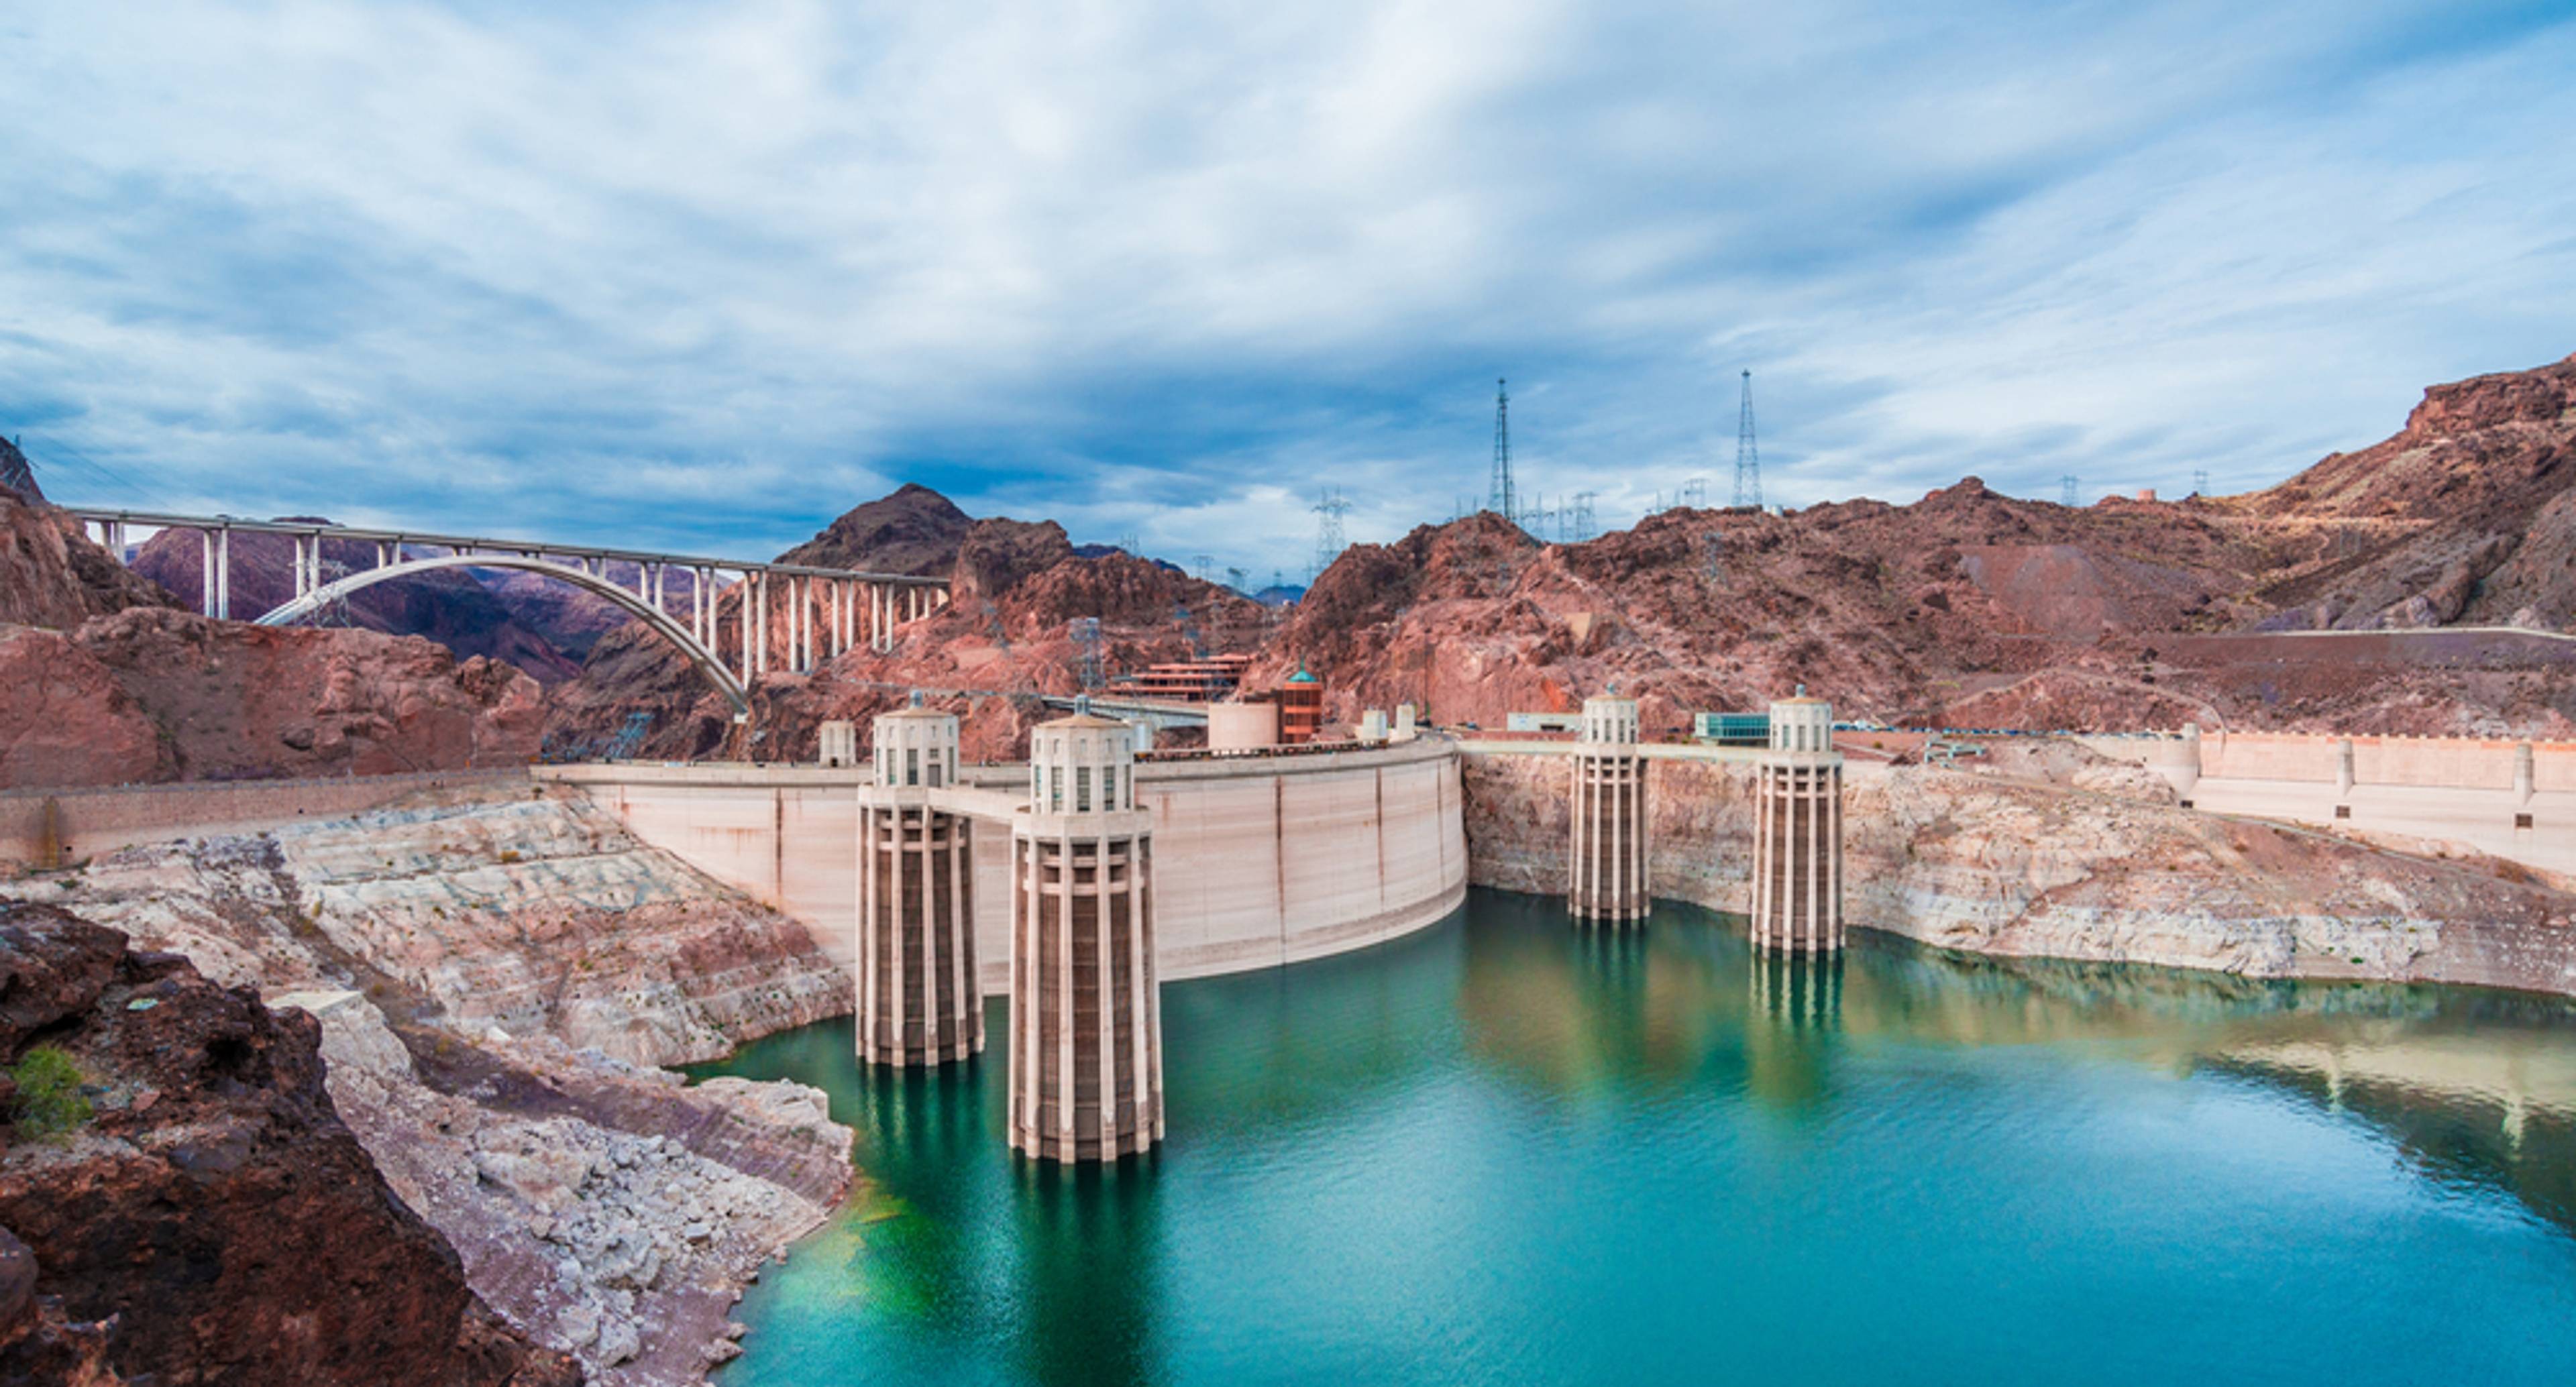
(1086, 1014)
(1798, 832)
(1606, 870)
(918, 999)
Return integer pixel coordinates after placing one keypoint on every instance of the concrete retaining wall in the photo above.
(2445, 789)
(1257, 862)
(96, 821)
(2437, 762)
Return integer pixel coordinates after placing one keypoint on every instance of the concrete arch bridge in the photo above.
(827, 611)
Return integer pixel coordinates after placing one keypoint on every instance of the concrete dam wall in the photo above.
(1258, 861)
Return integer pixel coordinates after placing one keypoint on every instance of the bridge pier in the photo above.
(1798, 832)
(1086, 1070)
(920, 997)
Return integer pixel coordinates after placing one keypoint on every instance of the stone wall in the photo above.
(96, 822)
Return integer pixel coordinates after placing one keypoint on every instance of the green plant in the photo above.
(49, 1096)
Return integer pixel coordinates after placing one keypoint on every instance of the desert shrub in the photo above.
(49, 1093)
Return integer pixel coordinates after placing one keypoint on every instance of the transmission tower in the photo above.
(1086, 641)
(1748, 458)
(2199, 483)
(1201, 565)
(2066, 490)
(1329, 544)
(1504, 502)
(1583, 530)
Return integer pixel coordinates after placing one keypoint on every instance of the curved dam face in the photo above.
(1259, 860)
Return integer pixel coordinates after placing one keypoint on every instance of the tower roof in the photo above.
(1302, 676)
(1083, 719)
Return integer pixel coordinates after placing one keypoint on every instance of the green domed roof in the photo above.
(1302, 677)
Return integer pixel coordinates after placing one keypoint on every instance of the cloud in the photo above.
(705, 276)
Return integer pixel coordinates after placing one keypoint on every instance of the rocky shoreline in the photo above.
(2079, 858)
(496, 976)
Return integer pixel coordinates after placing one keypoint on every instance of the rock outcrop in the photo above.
(53, 575)
(224, 700)
(16, 476)
(496, 972)
(214, 1221)
(531, 915)
(911, 529)
(2464, 517)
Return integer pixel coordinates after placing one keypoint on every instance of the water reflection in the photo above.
(1087, 1279)
(1415, 1162)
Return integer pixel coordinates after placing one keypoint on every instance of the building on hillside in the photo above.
(1301, 708)
(1732, 729)
(1187, 681)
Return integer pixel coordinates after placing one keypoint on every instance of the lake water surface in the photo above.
(1506, 1150)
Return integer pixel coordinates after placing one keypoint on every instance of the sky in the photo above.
(702, 277)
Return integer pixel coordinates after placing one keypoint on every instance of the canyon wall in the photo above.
(213, 1220)
(495, 970)
(2013, 866)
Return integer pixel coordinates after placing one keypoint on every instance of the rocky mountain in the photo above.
(496, 974)
(213, 1219)
(912, 530)
(569, 619)
(153, 694)
(2465, 517)
(53, 575)
(449, 607)
(1018, 587)
(1970, 608)
(16, 475)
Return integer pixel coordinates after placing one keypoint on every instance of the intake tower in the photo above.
(918, 999)
(1606, 869)
(1086, 1015)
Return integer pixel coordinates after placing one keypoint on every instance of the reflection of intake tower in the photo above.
(918, 998)
(1798, 831)
(1086, 1020)
(1606, 876)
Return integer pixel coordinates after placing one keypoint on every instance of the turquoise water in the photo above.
(1506, 1151)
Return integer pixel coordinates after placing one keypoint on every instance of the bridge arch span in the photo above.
(708, 666)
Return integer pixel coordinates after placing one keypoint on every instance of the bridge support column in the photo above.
(1798, 832)
(1086, 1013)
(1607, 869)
(224, 574)
(919, 1002)
(206, 572)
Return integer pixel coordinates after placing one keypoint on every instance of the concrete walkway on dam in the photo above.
(1259, 861)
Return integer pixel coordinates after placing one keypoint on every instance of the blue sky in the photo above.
(705, 276)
